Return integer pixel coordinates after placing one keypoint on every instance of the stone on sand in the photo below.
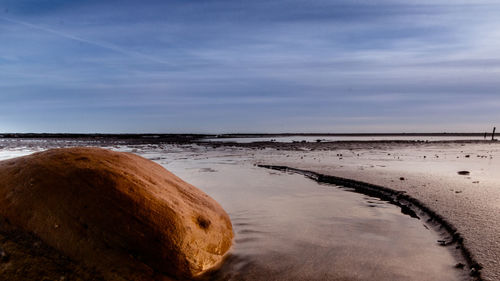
(125, 216)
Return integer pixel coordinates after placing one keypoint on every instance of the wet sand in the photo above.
(425, 171)
(289, 227)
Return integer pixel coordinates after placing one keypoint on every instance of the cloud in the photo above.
(103, 45)
(249, 61)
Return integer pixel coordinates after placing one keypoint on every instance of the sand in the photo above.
(428, 172)
(289, 227)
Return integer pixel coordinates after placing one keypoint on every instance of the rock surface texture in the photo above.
(125, 216)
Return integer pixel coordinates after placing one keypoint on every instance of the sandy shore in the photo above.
(425, 171)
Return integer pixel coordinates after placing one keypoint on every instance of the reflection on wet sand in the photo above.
(291, 228)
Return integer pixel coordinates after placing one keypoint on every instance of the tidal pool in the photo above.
(288, 227)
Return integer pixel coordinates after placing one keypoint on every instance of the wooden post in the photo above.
(493, 135)
(485, 135)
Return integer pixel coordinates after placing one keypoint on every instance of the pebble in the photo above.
(474, 272)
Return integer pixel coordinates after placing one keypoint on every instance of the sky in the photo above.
(194, 66)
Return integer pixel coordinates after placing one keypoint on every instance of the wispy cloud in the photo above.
(249, 65)
(103, 45)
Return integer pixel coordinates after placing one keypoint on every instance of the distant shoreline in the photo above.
(260, 140)
(232, 135)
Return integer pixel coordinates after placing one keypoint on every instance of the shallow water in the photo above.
(342, 138)
(289, 227)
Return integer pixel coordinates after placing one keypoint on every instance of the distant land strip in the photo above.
(229, 135)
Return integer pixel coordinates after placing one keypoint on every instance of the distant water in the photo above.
(342, 138)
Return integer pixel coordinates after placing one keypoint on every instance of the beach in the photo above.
(425, 171)
(428, 172)
(249, 140)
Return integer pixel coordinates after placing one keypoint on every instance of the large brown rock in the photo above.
(120, 213)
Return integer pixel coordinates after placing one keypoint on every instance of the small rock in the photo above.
(442, 242)
(401, 178)
(459, 265)
(463, 173)
(474, 272)
(467, 156)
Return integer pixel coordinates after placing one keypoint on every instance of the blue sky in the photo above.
(249, 66)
